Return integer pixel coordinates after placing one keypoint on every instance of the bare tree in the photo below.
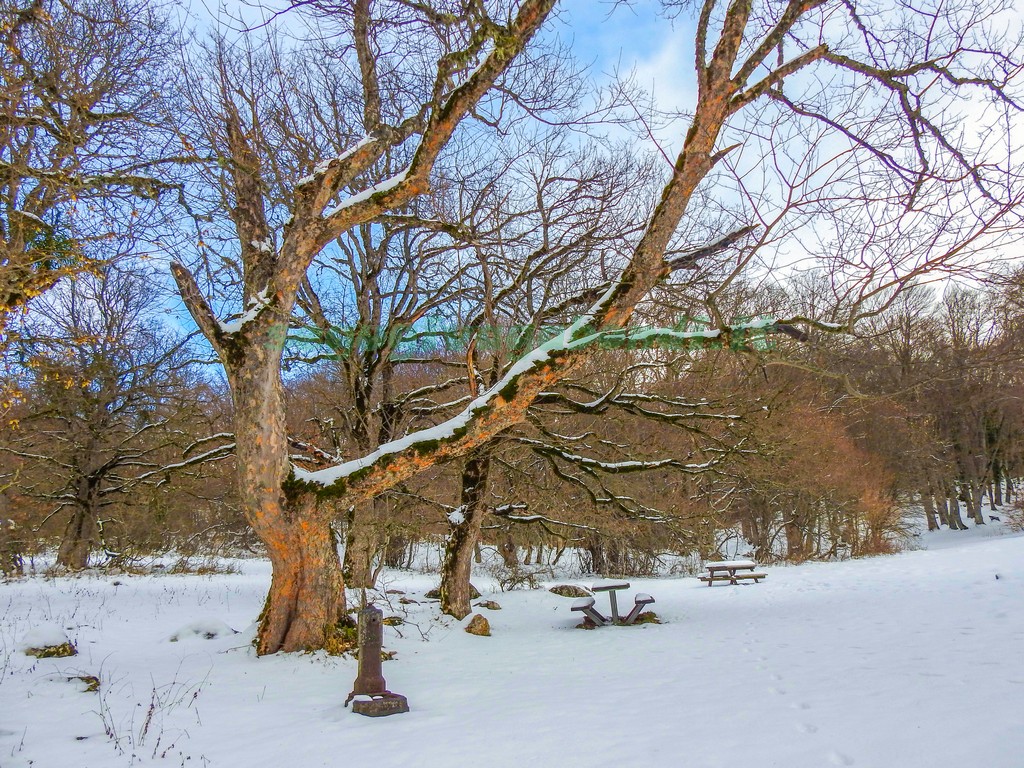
(897, 171)
(107, 406)
(466, 54)
(80, 147)
(539, 229)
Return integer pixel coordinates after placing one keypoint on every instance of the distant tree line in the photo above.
(119, 446)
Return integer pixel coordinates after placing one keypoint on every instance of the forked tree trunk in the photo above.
(463, 536)
(307, 596)
(74, 550)
(953, 511)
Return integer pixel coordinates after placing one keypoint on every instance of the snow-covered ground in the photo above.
(910, 660)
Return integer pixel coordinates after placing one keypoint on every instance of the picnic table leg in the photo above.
(615, 606)
(595, 617)
(732, 576)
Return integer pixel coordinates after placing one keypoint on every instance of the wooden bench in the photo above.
(585, 605)
(733, 579)
(639, 602)
(728, 570)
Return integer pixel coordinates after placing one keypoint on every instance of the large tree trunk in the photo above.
(995, 484)
(77, 543)
(397, 551)
(976, 502)
(307, 597)
(80, 534)
(307, 592)
(465, 532)
(796, 544)
(942, 509)
(953, 512)
(758, 520)
(929, 511)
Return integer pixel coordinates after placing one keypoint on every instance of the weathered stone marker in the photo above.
(374, 699)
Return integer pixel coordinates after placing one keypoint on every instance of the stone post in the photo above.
(374, 699)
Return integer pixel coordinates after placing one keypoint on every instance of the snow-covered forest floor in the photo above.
(907, 660)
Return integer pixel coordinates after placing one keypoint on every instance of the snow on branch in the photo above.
(736, 337)
(214, 454)
(675, 409)
(257, 304)
(317, 455)
(457, 516)
(325, 166)
(505, 512)
(611, 467)
(377, 189)
(209, 439)
(690, 259)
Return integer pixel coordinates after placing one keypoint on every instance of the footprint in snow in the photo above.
(838, 758)
(807, 728)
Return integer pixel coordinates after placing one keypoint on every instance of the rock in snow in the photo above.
(207, 629)
(47, 642)
(478, 625)
(570, 590)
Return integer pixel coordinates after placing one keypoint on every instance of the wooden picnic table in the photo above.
(729, 570)
(586, 604)
(611, 588)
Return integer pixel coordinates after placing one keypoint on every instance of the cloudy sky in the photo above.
(635, 38)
